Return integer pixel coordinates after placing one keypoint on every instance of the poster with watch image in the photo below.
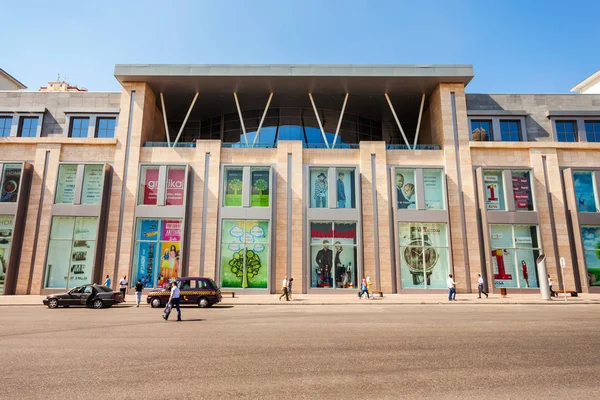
(11, 178)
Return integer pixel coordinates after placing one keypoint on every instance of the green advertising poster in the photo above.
(245, 254)
(591, 247)
(233, 187)
(260, 187)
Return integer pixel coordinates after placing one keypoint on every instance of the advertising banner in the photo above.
(11, 179)
(169, 262)
(423, 255)
(406, 189)
(345, 187)
(65, 188)
(6, 228)
(585, 191)
(591, 245)
(522, 191)
(260, 188)
(433, 183)
(91, 193)
(150, 185)
(233, 187)
(148, 229)
(171, 230)
(146, 261)
(175, 186)
(494, 190)
(319, 188)
(82, 262)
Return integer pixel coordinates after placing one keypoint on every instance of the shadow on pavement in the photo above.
(192, 320)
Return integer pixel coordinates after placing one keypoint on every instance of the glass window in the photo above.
(406, 189)
(333, 255)
(424, 255)
(5, 125)
(11, 179)
(510, 131)
(494, 190)
(433, 183)
(260, 179)
(566, 131)
(6, 230)
(590, 236)
(521, 181)
(319, 188)
(234, 182)
(592, 131)
(245, 254)
(148, 190)
(28, 127)
(514, 251)
(105, 127)
(585, 191)
(345, 187)
(70, 258)
(157, 254)
(91, 192)
(175, 186)
(65, 187)
(481, 130)
(79, 127)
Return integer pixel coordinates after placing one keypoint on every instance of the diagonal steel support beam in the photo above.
(185, 120)
(419, 121)
(339, 125)
(262, 120)
(164, 112)
(237, 104)
(397, 120)
(318, 120)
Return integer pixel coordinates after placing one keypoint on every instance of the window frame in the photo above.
(6, 128)
(97, 127)
(479, 120)
(564, 133)
(496, 135)
(80, 129)
(92, 124)
(22, 122)
(580, 122)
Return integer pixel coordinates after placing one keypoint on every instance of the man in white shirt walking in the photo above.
(174, 301)
(123, 286)
(480, 286)
(284, 289)
(451, 289)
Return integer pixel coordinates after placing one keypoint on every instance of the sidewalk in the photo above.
(347, 299)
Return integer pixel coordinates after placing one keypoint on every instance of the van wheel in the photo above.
(203, 302)
(155, 303)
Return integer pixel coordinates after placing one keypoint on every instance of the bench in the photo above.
(228, 292)
(573, 293)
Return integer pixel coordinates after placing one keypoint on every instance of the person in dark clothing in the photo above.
(325, 261)
(139, 288)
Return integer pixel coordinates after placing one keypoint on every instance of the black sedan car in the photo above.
(95, 296)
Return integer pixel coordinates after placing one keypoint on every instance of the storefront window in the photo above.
(319, 188)
(591, 247)
(65, 188)
(261, 188)
(424, 255)
(514, 251)
(521, 182)
(494, 191)
(157, 257)
(245, 254)
(11, 176)
(234, 183)
(406, 189)
(91, 193)
(433, 183)
(175, 186)
(345, 187)
(70, 259)
(333, 255)
(6, 229)
(585, 191)
(148, 191)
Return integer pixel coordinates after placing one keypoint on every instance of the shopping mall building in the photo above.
(323, 173)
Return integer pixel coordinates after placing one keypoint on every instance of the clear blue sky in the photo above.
(515, 46)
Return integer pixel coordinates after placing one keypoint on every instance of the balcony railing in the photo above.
(304, 145)
(165, 144)
(417, 147)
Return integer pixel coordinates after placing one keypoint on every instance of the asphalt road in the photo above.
(449, 351)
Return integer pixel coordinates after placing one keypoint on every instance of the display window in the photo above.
(245, 246)
(494, 190)
(424, 255)
(406, 189)
(515, 249)
(333, 255)
(433, 187)
(148, 191)
(319, 188)
(590, 236)
(345, 185)
(65, 187)
(585, 191)
(70, 257)
(11, 178)
(521, 182)
(6, 231)
(157, 254)
(91, 192)
(261, 190)
(175, 186)
(234, 182)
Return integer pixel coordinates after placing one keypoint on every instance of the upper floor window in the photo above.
(497, 189)
(409, 189)
(5, 124)
(79, 127)
(510, 130)
(585, 191)
(257, 188)
(332, 187)
(592, 131)
(28, 127)
(481, 130)
(158, 188)
(566, 131)
(105, 127)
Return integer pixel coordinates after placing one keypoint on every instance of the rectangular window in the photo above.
(11, 179)
(5, 125)
(433, 183)
(481, 130)
(566, 131)
(91, 192)
(105, 127)
(345, 187)
(28, 127)
(175, 186)
(260, 179)
(406, 189)
(514, 251)
(245, 248)
(70, 259)
(585, 191)
(591, 246)
(148, 190)
(6, 230)
(424, 255)
(592, 131)
(157, 254)
(333, 255)
(494, 190)
(234, 182)
(521, 181)
(65, 187)
(319, 188)
(79, 127)
(510, 131)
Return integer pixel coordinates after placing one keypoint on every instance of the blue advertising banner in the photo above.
(585, 191)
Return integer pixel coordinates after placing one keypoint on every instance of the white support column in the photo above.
(164, 112)
(419, 121)
(318, 120)
(185, 120)
(339, 125)
(237, 104)
(262, 120)
(397, 120)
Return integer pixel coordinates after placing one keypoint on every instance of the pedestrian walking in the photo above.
(451, 288)
(369, 290)
(480, 286)
(363, 289)
(290, 288)
(123, 286)
(550, 282)
(107, 281)
(284, 289)
(173, 302)
(139, 288)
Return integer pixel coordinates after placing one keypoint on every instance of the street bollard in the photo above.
(543, 277)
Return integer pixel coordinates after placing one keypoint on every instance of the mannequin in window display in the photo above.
(525, 272)
(341, 191)
(321, 191)
(324, 261)
(404, 192)
(340, 270)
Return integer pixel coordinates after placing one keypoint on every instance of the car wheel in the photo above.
(155, 303)
(203, 302)
(53, 303)
(97, 304)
